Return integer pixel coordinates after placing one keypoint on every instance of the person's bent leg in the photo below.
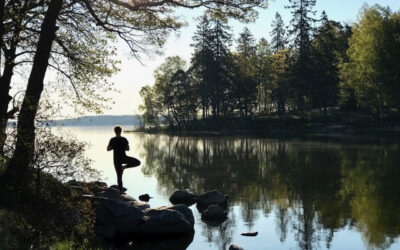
(132, 162)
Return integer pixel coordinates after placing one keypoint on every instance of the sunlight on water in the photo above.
(296, 194)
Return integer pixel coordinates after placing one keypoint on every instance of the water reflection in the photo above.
(312, 189)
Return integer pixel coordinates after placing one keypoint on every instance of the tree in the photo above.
(124, 19)
(281, 79)
(373, 68)
(221, 40)
(81, 56)
(15, 17)
(245, 85)
(302, 29)
(170, 88)
(260, 64)
(246, 44)
(278, 34)
(326, 58)
(150, 107)
(202, 62)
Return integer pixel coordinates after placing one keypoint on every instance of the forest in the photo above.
(313, 65)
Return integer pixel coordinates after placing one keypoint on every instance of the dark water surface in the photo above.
(333, 192)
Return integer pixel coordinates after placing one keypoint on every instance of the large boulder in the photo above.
(183, 197)
(116, 218)
(214, 213)
(166, 221)
(212, 198)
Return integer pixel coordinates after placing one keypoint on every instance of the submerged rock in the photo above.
(235, 247)
(214, 213)
(212, 198)
(183, 197)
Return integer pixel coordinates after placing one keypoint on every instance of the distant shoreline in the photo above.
(91, 121)
(286, 126)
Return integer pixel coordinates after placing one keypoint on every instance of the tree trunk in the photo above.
(5, 98)
(19, 164)
(5, 85)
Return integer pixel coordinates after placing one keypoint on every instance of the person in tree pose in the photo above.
(121, 161)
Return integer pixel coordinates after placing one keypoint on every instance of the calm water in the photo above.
(298, 194)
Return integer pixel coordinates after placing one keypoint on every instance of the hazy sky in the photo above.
(133, 76)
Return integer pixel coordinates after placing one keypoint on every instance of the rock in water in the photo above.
(214, 213)
(166, 221)
(145, 197)
(212, 198)
(235, 247)
(115, 218)
(183, 197)
(251, 234)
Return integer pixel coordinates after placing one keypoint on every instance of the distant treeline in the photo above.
(311, 65)
(100, 120)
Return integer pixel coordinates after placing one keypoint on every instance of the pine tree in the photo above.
(302, 29)
(278, 34)
(326, 59)
(221, 40)
(246, 85)
(246, 43)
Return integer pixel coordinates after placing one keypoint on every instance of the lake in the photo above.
(337, 192)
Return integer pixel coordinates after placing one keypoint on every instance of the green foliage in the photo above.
(372, 73)
(45, 210)
(325, 67)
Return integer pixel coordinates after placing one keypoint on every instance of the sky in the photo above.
(134, 75)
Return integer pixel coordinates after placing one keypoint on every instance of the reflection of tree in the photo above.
(371, 179)
(317, 188)
(221, 235)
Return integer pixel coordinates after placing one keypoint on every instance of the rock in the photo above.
(116, 218)
(251, 234)
(214, 213)
(235, 247)
(212, 198)
(185, 211)
(145, 197)
(122, 217)
(166, 221)
(97, 186)
(124, 189)
(183, 197)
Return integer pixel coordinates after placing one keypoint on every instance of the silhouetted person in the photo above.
(121, 161)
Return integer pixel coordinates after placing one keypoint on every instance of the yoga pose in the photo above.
(121, 161)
